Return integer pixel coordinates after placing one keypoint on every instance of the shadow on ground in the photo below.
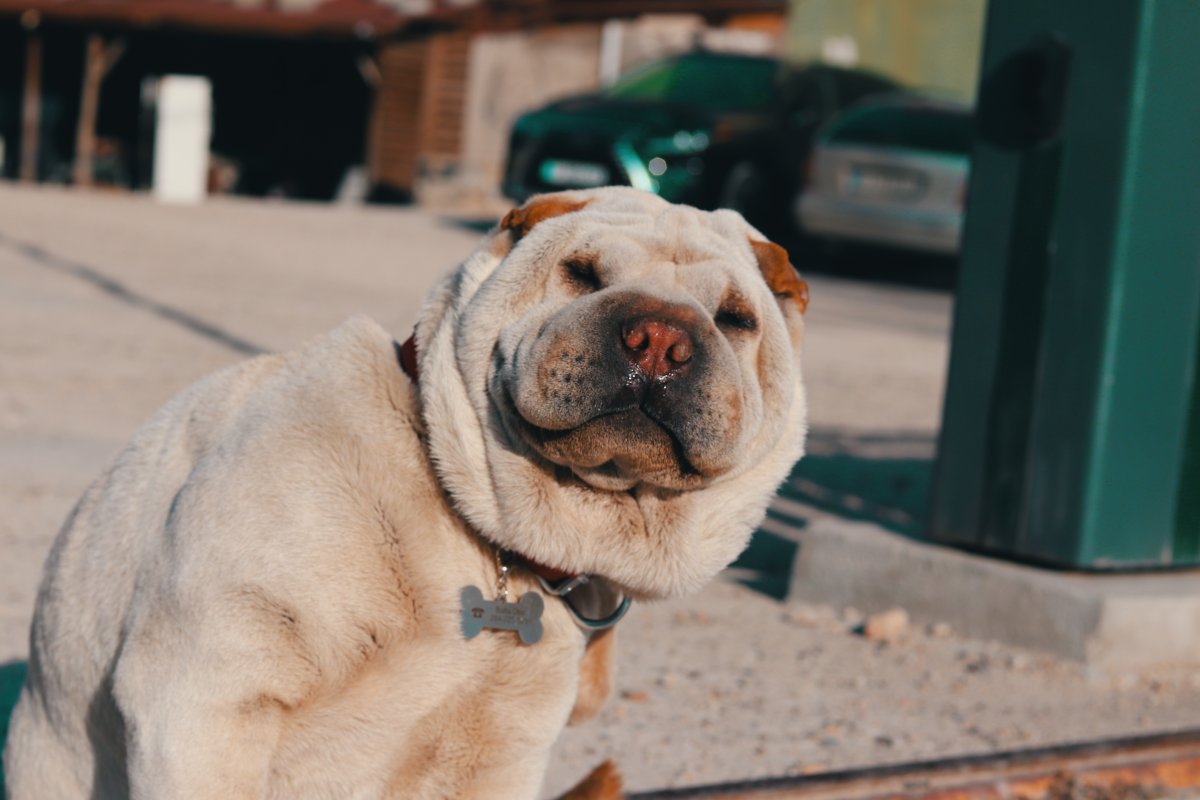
(12, 675)
(766, 564)
(891, 492)
(480, 225)
(883, 479)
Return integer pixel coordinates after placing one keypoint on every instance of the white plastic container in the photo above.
(181, 138)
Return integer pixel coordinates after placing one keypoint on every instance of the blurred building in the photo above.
(519, 67)
(316, 98)
(933, 45)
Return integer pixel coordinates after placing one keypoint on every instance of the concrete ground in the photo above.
(110, 304)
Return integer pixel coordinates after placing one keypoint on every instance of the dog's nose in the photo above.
(656, 346)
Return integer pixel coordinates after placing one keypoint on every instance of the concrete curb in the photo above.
(1111, 622)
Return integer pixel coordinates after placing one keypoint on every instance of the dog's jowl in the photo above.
(337, 573)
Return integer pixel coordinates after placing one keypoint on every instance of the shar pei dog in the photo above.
(366, 570)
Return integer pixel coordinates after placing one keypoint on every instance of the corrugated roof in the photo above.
(359, 19)
(362, 19)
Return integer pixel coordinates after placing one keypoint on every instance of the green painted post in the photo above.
(1071, 431)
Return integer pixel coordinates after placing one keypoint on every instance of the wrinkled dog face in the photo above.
(645, 359)
(611, 385)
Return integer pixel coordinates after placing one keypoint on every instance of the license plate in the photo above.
(573, 173)
(884, 182)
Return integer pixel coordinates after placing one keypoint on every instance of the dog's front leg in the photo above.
(603, 783)
(595, 676)
(199, 722)
(182, 744)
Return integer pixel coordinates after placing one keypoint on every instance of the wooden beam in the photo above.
(89, 105)
(31, 108)
(99, 57)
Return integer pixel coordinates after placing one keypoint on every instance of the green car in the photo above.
(707, 129)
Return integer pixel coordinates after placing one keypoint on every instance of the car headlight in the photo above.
(681, 142)
(664, 165)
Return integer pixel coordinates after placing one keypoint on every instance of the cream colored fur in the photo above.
(260, 597)
(655, 543)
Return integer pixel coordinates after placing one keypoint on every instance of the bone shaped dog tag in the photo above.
(523, 616)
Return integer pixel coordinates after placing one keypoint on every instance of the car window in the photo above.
(899, 126)
(650, 82)
(722, 84)
(854, 86)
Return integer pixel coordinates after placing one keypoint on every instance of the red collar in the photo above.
(548, 574)
(407, 353)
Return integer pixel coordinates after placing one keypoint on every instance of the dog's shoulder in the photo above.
(252, 474)
(345, 388)
(324, 434)
(312, 468)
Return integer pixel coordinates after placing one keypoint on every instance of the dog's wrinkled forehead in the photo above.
(677, 234)
(629, 224)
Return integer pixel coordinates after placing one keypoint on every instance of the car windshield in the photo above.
(721, 84)
(915, 128)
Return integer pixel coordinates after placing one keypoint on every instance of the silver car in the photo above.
(892, 172)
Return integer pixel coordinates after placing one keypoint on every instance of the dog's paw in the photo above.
(604, 783)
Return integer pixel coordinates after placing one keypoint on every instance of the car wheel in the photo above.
(760, 199)
(743, 191)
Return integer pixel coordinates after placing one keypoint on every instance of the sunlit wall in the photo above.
(930, 44)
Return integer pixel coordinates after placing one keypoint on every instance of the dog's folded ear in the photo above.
(520, 220)
(779, 273)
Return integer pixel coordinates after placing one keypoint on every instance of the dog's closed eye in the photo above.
(735, 314)
(580, 272)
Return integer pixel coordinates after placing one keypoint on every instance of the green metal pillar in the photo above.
(1071, 431)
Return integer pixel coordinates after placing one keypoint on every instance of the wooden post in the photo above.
(89, 104)
(31, 108)
(368, 67)
(98, 58)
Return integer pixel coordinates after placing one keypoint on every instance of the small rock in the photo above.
(887, 626)
(799, 616)
(940, 630)
(668, 681)
(819, 617)
(634, 696)
(691, 617)
(1018, 662)
(977, 663)
(1126, 682)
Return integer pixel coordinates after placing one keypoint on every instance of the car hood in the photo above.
(612, 118)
